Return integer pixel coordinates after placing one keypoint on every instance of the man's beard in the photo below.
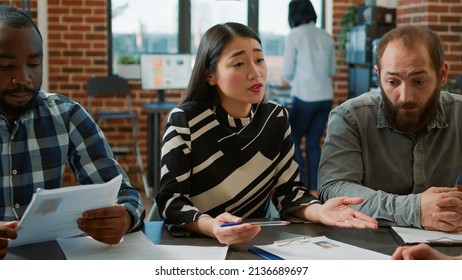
(17, 111)
(412, 122)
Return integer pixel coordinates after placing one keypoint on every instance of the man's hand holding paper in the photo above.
(108, 224)
(58, 213)
(7, 231)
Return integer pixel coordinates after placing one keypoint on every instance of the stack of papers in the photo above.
(53, 213)
(415, 235)
(317, 248)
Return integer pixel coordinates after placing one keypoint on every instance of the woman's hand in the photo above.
(336, 212)
(420, 252)
(237, 234)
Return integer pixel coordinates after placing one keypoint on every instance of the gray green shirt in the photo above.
(364, 156)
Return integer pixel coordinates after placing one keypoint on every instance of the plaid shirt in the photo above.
(37, 147)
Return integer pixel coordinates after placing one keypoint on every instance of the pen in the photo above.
(262, 224)
(229, 224)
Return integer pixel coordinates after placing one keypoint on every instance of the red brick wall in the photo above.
(443, 16)
(78, 38)
(78, 51)
(341, 79)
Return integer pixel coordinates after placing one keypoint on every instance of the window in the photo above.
(273, 30)
(207, 13)
(159, 26)
(143, 26)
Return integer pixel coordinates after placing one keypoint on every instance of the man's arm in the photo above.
(92, 160)
(341, 173)
(357, 153)
(387, 209)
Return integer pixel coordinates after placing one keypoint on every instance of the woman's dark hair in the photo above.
(14, 17)
(301, 12)
(210, 48)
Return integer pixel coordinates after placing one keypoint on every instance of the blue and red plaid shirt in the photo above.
(37, 147)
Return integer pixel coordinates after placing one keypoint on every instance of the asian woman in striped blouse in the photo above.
(227, 152)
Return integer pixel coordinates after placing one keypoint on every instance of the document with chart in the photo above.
(53, 213)
(315, 248)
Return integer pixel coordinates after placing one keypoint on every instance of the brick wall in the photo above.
(78, 38)
(341, 79)
(77, 45)
(443, 16)
(78, 51)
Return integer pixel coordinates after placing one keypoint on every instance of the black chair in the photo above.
(116, 86)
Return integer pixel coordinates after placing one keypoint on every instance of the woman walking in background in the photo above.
(309, 64)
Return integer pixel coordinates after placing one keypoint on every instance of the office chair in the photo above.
(113, 85)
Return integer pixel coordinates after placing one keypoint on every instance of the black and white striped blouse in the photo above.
(212, 163)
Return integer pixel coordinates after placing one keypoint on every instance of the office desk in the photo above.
(379, 240)
(38, 251)
(154, 111)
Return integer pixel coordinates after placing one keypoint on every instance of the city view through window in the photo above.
(151, 26)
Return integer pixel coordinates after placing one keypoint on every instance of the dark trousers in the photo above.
(308, 119)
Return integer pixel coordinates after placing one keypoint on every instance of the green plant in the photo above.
(449, 86)
(128, 59)
(346, 22)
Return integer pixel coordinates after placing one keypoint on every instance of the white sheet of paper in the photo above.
(322, 248)
(135, 246)
(184, 252)
(416, 235)
(53, 213)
